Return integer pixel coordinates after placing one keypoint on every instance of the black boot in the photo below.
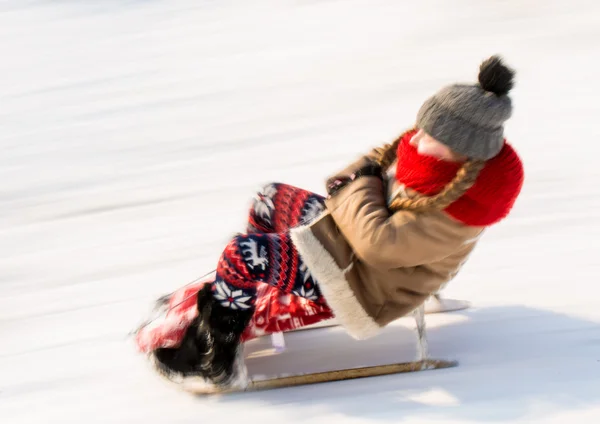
(210, 352)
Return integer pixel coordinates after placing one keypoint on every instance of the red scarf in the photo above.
(488, 201)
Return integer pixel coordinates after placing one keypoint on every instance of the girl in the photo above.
(381, 242)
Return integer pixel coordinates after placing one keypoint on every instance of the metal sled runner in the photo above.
(434, 305)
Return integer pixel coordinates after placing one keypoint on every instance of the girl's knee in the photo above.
(262, 209)
(269, 189)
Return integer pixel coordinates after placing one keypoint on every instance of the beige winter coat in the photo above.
(374, 267)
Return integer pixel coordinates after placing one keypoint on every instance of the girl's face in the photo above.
(426, 145)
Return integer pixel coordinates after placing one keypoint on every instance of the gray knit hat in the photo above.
(469, 118)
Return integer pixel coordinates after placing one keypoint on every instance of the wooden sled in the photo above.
(422, 363)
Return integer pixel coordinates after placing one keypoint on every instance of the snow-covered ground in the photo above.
(133, 134)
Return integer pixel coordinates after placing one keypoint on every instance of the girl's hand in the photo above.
(336, 184)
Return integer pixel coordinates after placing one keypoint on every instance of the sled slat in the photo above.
(349, 374)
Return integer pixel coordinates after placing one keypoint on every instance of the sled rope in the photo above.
(150, 321)
(189, 284)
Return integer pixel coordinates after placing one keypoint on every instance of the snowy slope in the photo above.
(133, 133)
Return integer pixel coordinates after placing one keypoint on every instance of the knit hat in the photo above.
(469, 118)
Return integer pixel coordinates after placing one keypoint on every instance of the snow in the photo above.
(133, 134)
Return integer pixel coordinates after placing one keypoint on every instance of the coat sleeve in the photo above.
(402, 239)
